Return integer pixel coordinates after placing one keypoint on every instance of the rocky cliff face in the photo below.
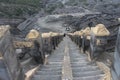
(23, 9)
(104, 6)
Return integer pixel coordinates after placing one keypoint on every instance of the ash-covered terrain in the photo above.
(62, 16)
(58, 15)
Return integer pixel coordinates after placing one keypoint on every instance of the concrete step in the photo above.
(96, 77)
(79, 60)
(79, 57)
(79, 64)
(51, 69)
(54, 58)
(87, 73)
(85, 68)
(52, 72)
(47, 77)
(75, 54)
(50, 64)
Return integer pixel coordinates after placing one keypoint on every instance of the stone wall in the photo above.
(8, 53)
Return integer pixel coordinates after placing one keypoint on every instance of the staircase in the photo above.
(81, 68)
(53, 70)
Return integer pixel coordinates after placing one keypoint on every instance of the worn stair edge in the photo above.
(48, 73)
(89, 73)
(31, 72)
(85, 69)
(105, 69)
(89, 77)
(46, 77)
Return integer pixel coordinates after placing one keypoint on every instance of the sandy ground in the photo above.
(40, 23)
(57, 26)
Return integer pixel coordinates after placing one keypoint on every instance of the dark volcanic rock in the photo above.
(71, 9)
(90, 20)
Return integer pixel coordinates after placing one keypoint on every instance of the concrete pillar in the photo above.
(8, 54)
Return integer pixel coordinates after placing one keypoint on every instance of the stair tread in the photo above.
(90, 68)
(46, 77)
(96, 77)
(48, 73)
(88, 73)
